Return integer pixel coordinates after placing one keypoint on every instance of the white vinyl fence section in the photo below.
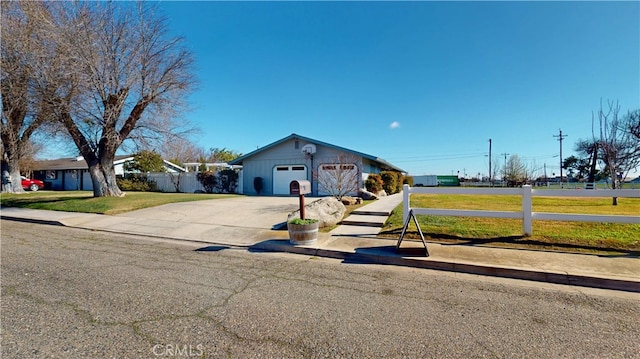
(527, 215)
(166, 182)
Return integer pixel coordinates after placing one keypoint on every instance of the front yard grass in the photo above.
(547, 235)
(83, 201)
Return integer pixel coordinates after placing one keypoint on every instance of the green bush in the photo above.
(408, 180)
(208, 180)
(136, 182)
(373, 183)
(227, 181)
(390, 181)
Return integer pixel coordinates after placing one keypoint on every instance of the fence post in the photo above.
(405, 202)
(527, 207)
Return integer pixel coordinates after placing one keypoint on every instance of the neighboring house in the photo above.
(298, 158)
(71, 174)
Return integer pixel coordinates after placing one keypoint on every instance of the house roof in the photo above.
(383, 164)
(70, 163)
(79, 163)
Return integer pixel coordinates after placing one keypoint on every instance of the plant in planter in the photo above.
(303, 231)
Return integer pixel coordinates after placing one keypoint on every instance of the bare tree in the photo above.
(180, 150)
(620, 150)
(531, 172)
(130, 76)
(515, 171)
(339, 177)
(29, 77)
(632, 123)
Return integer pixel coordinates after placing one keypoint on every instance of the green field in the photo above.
(83, 201)
(550, 235)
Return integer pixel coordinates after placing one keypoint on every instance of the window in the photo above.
(296, 145)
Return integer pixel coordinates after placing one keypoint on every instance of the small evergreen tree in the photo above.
(145, 161)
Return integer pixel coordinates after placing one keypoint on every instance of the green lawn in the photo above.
(83, 201)
(555, 235)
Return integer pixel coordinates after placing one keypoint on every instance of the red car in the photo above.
(31, 184)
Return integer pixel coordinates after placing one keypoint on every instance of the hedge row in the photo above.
(389, 181)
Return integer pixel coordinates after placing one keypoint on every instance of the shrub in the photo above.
(227, 181)
(257, 184)
(208, 180)
(136, 182)
(373, 183)
(408, 180)
(399, 182)
(390, 181)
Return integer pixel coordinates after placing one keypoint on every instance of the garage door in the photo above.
(283, 175)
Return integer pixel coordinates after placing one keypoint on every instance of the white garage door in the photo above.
(283, 175)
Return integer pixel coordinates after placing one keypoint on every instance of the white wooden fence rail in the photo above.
(527, 215)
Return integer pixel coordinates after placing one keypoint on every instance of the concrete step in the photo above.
(355, 231)
(364, 220)
(371, 213)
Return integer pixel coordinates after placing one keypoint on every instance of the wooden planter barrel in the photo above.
(303, 234)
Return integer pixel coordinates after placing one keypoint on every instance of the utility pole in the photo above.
(560, 137)
(504, 168)
(490, 183)
(545, 175)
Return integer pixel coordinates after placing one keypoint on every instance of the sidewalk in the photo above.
(359, 244)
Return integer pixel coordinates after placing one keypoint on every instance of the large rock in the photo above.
(381, 193)
(364, 194)
(349, 201)
(328, 211)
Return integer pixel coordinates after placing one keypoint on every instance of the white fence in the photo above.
(187, 182)
(527, 215)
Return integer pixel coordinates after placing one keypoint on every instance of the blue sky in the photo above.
(424, 85)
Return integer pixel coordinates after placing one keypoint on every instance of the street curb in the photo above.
(32, 220)
(493, 271)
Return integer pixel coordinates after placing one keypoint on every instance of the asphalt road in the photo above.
(69, 293)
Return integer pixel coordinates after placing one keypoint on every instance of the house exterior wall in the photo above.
(287, 153)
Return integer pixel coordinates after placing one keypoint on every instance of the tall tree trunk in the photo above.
(11, 166)
(592, 171)
(614, 183)
(103, 177)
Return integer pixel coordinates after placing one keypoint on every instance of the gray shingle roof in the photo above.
(378, 160)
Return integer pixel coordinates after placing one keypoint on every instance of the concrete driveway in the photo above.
(246, 212)
(234, 221)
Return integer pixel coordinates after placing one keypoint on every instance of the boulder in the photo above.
(381, 193)
(364, 194)
(328, 211)
(349, 201)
